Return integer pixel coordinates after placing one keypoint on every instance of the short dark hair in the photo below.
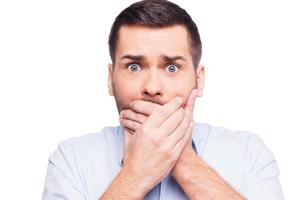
(156, 13)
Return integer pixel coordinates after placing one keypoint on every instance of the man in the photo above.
(158, 152)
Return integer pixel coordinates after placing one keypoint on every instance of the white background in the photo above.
(53, 79)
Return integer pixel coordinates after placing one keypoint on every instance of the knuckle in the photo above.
(129, 123)
(156, 141)
(153, 139)
(140, 116)
(134, 105)
(130, 114)
(124, 113)
(135, 126)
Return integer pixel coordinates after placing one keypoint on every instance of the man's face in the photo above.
(153, 64)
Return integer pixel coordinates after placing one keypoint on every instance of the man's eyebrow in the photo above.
(140, 58)
(172, 58)
(133, 57)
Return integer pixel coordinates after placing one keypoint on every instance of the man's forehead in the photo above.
(149, 35)
(139, 42)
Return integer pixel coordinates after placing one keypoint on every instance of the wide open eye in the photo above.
(172, 68)
(133, 67)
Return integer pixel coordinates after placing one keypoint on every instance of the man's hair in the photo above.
(156, 14)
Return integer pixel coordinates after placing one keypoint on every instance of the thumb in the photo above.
(189, 106)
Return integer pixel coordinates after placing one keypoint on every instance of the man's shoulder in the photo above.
(232, 145)
(92, 138)
(90, 142)
(239, 147)
(240, 157)
(219, 135)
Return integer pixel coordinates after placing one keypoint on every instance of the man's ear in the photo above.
(200, 75)
(110, 80)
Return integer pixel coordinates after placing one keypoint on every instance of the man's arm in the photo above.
(61, 181)
(126, 186)
(199, 180)
(151, 152)
(262, 171)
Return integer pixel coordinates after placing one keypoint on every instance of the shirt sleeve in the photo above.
(61, 180)
(262, 173)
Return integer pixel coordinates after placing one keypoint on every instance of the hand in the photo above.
(157, 143)
(139, 111)
(133, 118)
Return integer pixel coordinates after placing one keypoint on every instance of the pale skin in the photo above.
(155, 86)
(197, 179)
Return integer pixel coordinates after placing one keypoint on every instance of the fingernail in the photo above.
(179, 100)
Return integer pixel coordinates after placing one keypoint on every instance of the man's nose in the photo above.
(152, 85)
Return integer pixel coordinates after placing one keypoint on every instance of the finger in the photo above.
(181, 130)
(130, 124)
(160, 115)
(172, 122)
(184, 140)
(144, 107)
(189, 106)
(129, 114)
(129, 130)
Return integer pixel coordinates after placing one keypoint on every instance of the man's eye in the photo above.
(172, 68)
(133, 67)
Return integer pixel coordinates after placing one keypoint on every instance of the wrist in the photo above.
(126, 186)
(136, 184)
(185, 161)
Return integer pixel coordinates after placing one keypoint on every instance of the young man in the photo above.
(158, 152)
